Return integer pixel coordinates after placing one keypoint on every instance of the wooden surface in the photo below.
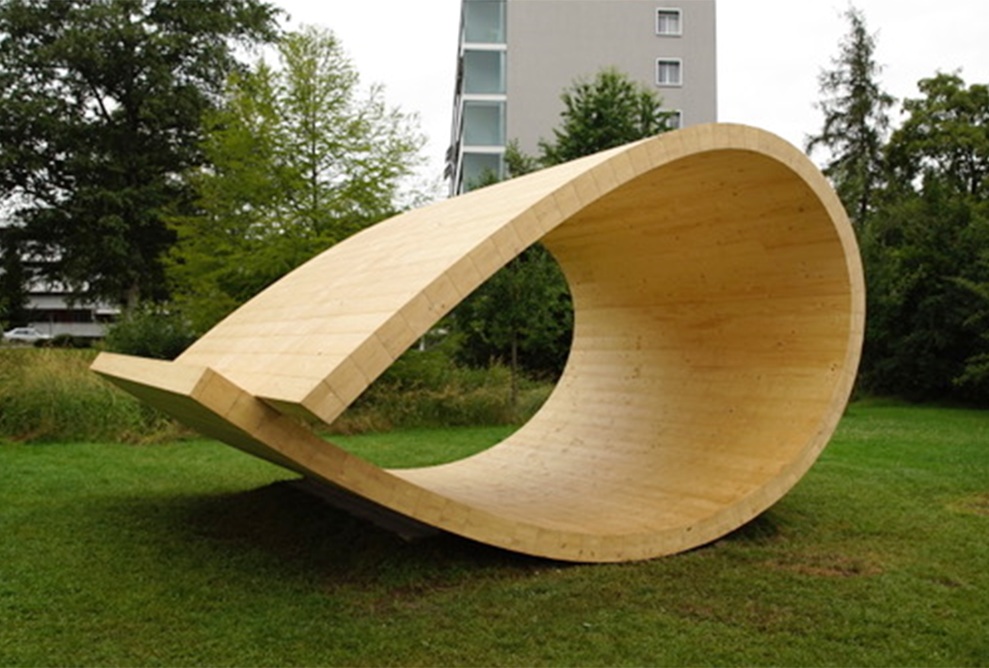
(719, 312)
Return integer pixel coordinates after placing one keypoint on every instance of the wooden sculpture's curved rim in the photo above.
(712, 520)
(588, 478)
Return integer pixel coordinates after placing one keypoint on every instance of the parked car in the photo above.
(24, 335)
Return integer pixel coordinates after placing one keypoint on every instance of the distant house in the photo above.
(53, 308)
(517, 56)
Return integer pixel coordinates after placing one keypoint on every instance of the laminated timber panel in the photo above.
(718, 306)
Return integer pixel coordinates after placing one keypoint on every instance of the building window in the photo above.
(668, 22)
(484, 123)
(669, 72)
(480, 169)
(673, 118)
(484, 21)
(484, 72)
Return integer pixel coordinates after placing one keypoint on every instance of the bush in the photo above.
(151, 332)
(68, 341)
(428, 389)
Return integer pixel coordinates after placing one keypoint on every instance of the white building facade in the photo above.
(517, 56)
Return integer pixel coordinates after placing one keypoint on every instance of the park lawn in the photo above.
(195, 554)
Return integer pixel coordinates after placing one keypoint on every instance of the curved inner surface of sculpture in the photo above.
(719, 312)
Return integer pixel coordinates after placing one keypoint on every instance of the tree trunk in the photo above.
(132, 297)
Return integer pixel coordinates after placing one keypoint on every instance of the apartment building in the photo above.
(517, 56)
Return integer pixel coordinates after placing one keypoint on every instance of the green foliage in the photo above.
(608, 111)
(517, 162)
(151, 331)
(299, 160)
(100, 109)
(194, 554)
(945, 137)
(919, 198)
(48, 394)
(429, 389)
(926, 250)
(13, 277)
(976, 373)
(522, 317)
(856, 120)
(66, 341)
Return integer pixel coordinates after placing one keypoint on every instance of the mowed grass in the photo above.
(195, 554)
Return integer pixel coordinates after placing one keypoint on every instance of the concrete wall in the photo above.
(553, 42)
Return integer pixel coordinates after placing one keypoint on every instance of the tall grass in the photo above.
(49, 394)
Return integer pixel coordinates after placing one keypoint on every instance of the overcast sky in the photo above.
(769, 53)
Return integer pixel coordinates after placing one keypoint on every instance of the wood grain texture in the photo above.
(719, 314)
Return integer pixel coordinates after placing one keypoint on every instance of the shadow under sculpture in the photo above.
(719, 313)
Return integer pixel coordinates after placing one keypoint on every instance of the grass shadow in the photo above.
(765, 528)
(297, 535)
(301, 535)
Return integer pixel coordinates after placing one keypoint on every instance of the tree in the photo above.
(299, 159)
(607, 111)
(517, 162)
(945, 137)
(856, 120)
(523, 315)
(976, 372)
(101, 104)
(926, 250)
(13, 276)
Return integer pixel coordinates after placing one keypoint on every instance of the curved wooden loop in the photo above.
(719, 312)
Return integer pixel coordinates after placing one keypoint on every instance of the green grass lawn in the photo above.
(195, 554)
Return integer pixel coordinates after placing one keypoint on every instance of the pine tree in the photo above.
(856, 120)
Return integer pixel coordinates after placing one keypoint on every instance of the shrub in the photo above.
(151, 332)
(69, 341)
(428, 389)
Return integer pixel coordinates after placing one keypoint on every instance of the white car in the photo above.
(24, 335)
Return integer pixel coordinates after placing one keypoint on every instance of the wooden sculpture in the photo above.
(718, 306)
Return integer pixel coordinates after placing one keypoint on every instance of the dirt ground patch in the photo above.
(973, 504)
(827, 565)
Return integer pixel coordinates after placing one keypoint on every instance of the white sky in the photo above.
(770, 53)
